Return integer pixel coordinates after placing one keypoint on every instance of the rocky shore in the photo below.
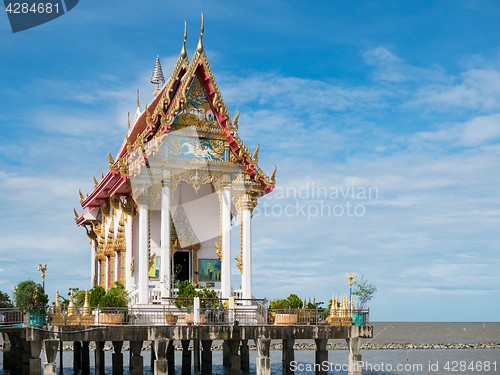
(330, 346)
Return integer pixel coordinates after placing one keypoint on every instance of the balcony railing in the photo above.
(190, 311)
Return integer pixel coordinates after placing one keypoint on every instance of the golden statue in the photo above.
(43, 269)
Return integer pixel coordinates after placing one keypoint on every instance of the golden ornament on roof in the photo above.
(199, 49)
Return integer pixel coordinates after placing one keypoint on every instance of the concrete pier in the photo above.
(77, 356)
(225, 353)
(321, 356)
(6, 352)
(25, 344)
(263, 361)
(186, 357)
(171, 357)
(160, 354)
(117, 358)
(245, 355)
(196, 356)
(99, 358)
(85, 358)
(234, 357)
(136, 361)
(50, 350)
(354, 345)
(206, 357)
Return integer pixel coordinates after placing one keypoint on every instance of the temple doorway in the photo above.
(182, 265)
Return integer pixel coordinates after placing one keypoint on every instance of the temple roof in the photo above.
(156, 121)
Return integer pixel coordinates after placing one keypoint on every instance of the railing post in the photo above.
(196, 317)
(231, 310)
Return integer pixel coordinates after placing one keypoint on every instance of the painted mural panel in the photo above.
(154, 270)
(209, 270)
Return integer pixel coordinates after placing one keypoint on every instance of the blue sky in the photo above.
(402, 97)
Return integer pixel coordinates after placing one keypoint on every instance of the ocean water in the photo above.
(377, 362)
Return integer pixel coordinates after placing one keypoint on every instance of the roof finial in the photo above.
(138, 106)
(128, 120)
(157, 76)
(200, 44)
(183, 51)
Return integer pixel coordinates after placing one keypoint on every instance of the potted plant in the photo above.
(115, 302)
(30, 298)
(282, 317)
(170, 318)
(364, 291)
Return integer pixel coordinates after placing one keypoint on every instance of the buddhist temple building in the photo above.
(181, 179)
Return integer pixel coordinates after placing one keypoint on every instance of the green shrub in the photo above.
(115, 297)
(30, 297)
(95, 295)
(280, 304)
(5, 301)
(294, 301)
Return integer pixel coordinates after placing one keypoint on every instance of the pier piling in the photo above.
(85, 358)
(263, 361)
(225, 353)
(354, 345)
(6, 352)
(171, 357)
(99, 358)
(117, 358)
(245, 355)
(160, 354)
(186, 357)
(136, 361)
(77, 356)
(206, 357)
(234, 357)
(287, 356)
(321, 356)
(50, 350)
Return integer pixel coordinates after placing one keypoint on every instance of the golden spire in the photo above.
(86, 304)
(138, 106)
(128, 119)
(183, 51)
(200, 44)
(71, 305)
(57, 304)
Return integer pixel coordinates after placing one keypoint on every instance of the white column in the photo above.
(106, 282)
(129, 280)
(246, 282)
(226, 238)
(92, 264)
(165, 271)
(143, 281)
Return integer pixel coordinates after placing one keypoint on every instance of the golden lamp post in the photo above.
(40, 268)
(350, 283)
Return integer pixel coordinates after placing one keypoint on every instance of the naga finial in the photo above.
(273, 176)
(128, 119)
(81, 196)
(200, 44)
(76, 214)
(95, 183)
(256, 153)
(111, 161)
(138, 106)
(183, 51)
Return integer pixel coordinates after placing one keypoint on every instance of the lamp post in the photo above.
(40, 268)
(350, 283)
